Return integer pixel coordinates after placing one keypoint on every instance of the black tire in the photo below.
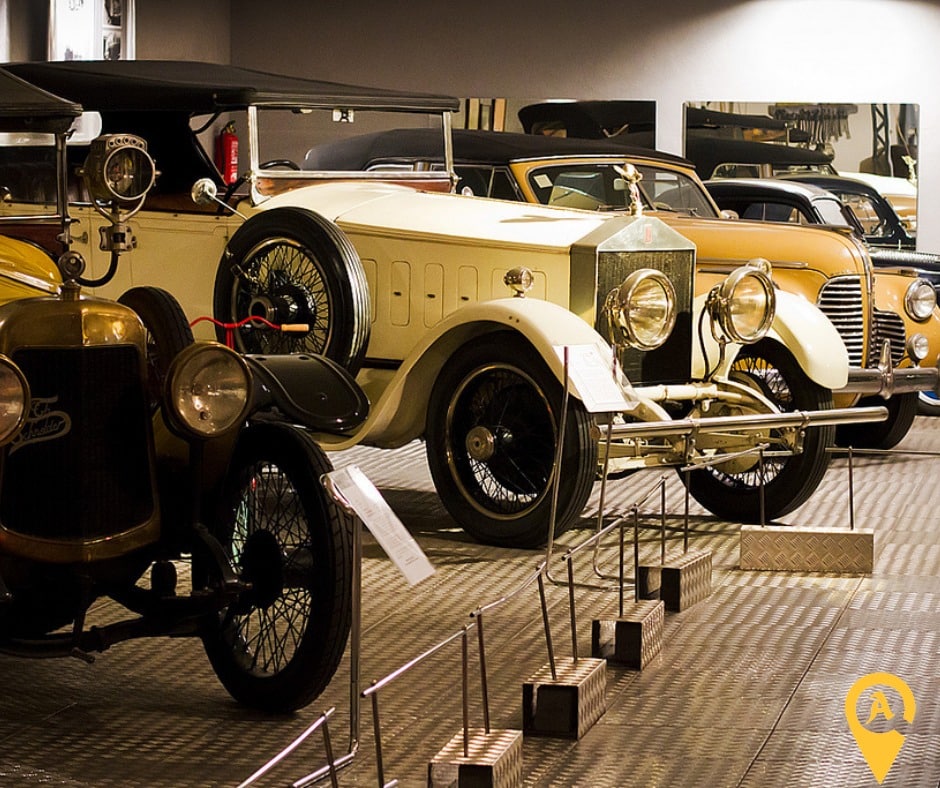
(279, 646)
(497, 397)
(167, 332)
(902, 409)
(788, 481)
(928, 404)
(290, 265)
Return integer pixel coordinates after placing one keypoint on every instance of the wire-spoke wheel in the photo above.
(732, 491)
(278, 646)
(492, 436)
(288, 267)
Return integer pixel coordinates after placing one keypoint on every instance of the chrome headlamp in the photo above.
(920, 299)
(742, 307)
(14, 400)
(520, 280)
(208, 390)
(642, 311)
(118, 168)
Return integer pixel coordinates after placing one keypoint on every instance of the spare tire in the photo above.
(291, 266)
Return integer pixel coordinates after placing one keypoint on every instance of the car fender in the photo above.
(812, 339)
(400, 397)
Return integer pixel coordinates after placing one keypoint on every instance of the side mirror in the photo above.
(204, 192)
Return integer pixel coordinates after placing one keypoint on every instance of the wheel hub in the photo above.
(262, 566)
(481, 444)
(287, 304)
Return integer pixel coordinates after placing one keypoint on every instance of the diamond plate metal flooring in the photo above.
(748, 691)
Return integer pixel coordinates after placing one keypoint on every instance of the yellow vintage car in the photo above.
(463, 318)
(832, 269)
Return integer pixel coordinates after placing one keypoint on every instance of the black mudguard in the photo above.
(309, 390)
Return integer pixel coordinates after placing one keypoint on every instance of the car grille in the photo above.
(888, 325)
(840, 299)
(81, 467)
(671, 363)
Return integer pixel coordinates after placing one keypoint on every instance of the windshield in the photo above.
(832, 212)
(601, 186)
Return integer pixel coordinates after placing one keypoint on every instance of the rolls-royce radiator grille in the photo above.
(888, 325)
(841, 301)
(81, 466)
(671, 363)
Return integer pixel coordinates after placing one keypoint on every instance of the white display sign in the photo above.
(592, 375)
(360, 494)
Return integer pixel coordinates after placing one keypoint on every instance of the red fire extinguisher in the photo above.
(226, 153)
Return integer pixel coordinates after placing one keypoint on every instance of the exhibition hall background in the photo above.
(855, 51)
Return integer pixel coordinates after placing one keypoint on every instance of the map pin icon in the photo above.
(880, 749)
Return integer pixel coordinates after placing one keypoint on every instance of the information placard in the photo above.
(357, 490)
(592, 376)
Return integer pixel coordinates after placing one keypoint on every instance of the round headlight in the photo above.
(920, 299)
(643, 308)
(208, 390)
(743, 306)
(14, 400)
(119, 168)
(918, 346)
(520, 280)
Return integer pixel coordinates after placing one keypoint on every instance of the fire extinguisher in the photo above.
(226, 153)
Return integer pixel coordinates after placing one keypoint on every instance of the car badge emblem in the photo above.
(43, 424)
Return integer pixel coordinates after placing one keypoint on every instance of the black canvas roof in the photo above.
(24, 107)
(197, 88)
(470, 146)
(708, 152)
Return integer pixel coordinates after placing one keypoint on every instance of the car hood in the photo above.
(830, 251)
(383, 209)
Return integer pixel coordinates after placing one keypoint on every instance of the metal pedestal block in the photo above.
(633, 639)
(796, 549)
(568, 705)
(494, 760)
(680, 583)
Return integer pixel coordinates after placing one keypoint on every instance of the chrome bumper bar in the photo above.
(886, 381)
(749, 423)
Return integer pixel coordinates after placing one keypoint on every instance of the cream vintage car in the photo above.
(832, 269)
(411, 286)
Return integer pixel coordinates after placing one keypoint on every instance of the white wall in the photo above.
(689, 50)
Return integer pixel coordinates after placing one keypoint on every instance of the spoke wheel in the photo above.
(732, 491)
(291, 266)
(278, 647)
(492, 434)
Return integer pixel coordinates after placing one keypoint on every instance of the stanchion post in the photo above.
(571, 610)
(483, 683)
(377, 729)
(465, 697)
(636, 554)
(851, 494)
(547, 625)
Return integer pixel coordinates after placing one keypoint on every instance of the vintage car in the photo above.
(901, 194)
(140, 465)
(839, 202)
(881, 225)
(829, 268)
(411, 286)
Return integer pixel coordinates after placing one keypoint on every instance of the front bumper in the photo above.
(884, 380)
(755, 422)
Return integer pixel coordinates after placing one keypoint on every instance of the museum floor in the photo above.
(748, 690)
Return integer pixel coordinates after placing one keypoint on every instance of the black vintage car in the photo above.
(163, 473)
